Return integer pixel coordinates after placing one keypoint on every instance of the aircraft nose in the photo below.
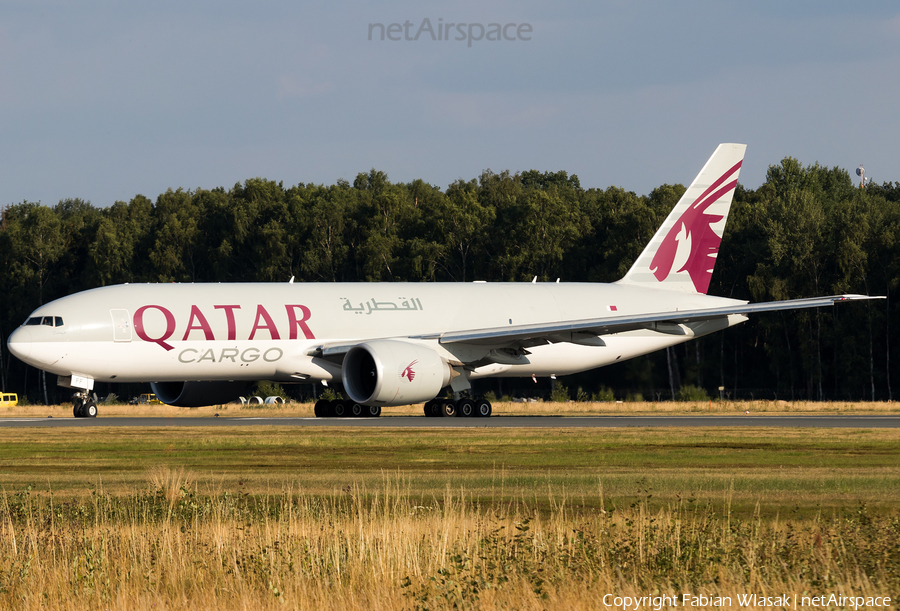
(19, 343)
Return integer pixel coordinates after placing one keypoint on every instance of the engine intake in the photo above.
(391, 372)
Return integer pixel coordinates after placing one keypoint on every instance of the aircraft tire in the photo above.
(89, 410)
(483, 408)
(338, 409)
(465, 408)
(427, 408)
(448, 409)
(321, 408)
(372, 411)
(357, 410)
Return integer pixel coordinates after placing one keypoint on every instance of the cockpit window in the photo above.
(46, 321)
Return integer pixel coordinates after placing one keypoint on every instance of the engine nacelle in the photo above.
(197, 394)
(391, 372)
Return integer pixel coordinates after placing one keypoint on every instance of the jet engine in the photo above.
(197, 394)
(391, 372)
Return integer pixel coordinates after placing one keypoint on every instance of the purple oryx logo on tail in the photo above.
(694, 227)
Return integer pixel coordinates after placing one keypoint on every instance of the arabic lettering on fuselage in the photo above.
(367, 307)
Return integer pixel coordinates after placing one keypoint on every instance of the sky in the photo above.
(104, 100)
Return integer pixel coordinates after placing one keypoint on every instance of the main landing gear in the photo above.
(463, 408)
(84, 405)
(341, 408)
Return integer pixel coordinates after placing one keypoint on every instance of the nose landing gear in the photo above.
(84, 405)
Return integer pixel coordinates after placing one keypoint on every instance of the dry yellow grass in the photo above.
(176, 538)
(167, 547)
(540, 408)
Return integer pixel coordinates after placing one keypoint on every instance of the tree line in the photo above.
(807, 231)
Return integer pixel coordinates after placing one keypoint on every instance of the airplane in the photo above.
(393, 344)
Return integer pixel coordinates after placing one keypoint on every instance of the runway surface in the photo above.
(744, 420)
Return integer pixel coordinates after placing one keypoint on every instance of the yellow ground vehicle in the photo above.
(8, 399)
(147, 399)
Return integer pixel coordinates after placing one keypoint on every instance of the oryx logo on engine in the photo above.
(408, 373)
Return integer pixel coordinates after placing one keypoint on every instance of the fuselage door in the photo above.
(121, 325)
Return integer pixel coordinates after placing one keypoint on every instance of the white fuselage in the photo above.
(200, 332)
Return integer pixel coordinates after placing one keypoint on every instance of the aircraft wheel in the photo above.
(373, 411)
(483, 408)
(321, 408)
(338, 409)
(356, 410)
(76, 408)
(89, 410)
(465, 408)
(448, 408)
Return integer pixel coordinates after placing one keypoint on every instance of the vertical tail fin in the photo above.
(682, 254)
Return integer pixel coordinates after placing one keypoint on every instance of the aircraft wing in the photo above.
(666, 322)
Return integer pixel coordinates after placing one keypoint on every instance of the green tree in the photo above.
(617, 225)
(36, 242)
(35, 238)
(332, 214)
(79, 221)
(139, 229)
(544, 225)
(177, 237)
(386, 211)
(227, 226)
(111, 250)
(265, 246)
(455, 227)
(500, 193)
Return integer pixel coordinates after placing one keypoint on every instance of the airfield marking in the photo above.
(791, 421)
